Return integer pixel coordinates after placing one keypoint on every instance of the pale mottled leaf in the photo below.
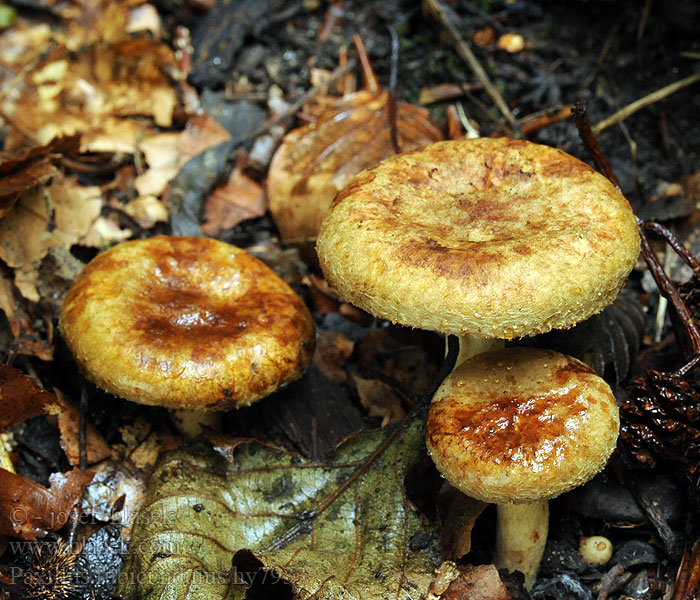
(201, 509)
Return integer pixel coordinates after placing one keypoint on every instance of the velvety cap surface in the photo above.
(521, 424)
(186, 322)
(490, 237)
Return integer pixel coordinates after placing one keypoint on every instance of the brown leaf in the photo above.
(379, 399)
(239, 199)
(21, 398)
(201, 132)
(60, 215)
(477, 583)
(458, 513)
(26, 339)
(81, 92)
(333, 349)
(20, 172)
(314, 162)
(69, 426)
(29, 510)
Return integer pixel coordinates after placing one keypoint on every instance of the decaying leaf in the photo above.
(29, 510)
(333, 349)
(73, 93)
(379, 399)
(480, 582)
(58, 215)
(201, 510)
(458, 513)
(21, 397)
(69, 425)
(237, 200)
(26, 339)
(29, 169)
(317, 160)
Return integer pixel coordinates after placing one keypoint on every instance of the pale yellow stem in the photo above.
(190, 423)
(471, 345)
(521, 535)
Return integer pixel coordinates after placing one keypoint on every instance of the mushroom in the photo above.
(187, 323)
(518, 426)
(486, 239)
(595, 549)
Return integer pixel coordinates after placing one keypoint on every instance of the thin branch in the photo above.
(467, 55)
(587, 135)
(393, 84)
(647, 100)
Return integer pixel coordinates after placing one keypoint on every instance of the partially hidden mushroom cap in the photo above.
(521, 424)
(496, 238)
(186, 322)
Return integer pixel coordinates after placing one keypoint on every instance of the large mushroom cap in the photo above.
(490, 237)
(186, 322)
(521, 424)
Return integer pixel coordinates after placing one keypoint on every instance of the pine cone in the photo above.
(661, 422)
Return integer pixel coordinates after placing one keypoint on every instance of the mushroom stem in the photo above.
(521, 535)
(192, 422)
(471, 345)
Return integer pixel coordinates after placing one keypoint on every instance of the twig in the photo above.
(370, 79)
(606, 583)
(587, 135)
(82, 431)
(688, 577)
(393, 82)
(656, 96)
(467, 55)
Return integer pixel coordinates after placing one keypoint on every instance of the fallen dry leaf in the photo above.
(317, 160)
(58, 215)
(239, 199)
(333, 349)
(480, 582)
(21, 398)
(29, 510)
(379, 399)
(16, 309)
(458, 512)
(69, 426)
(21, 171)
(84, 91)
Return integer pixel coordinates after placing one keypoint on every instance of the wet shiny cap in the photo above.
(186, 322)
(496, 238)
(521, 424)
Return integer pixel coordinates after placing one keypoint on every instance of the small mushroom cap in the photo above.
(186, 322)
(496, 238)
(521, 424)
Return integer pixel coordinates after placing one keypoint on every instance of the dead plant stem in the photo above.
(467, 55)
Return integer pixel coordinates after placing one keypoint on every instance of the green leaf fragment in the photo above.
(201, 509)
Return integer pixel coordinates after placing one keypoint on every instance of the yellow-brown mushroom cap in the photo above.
(495, 238)
(186, 322)
(521, 424)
